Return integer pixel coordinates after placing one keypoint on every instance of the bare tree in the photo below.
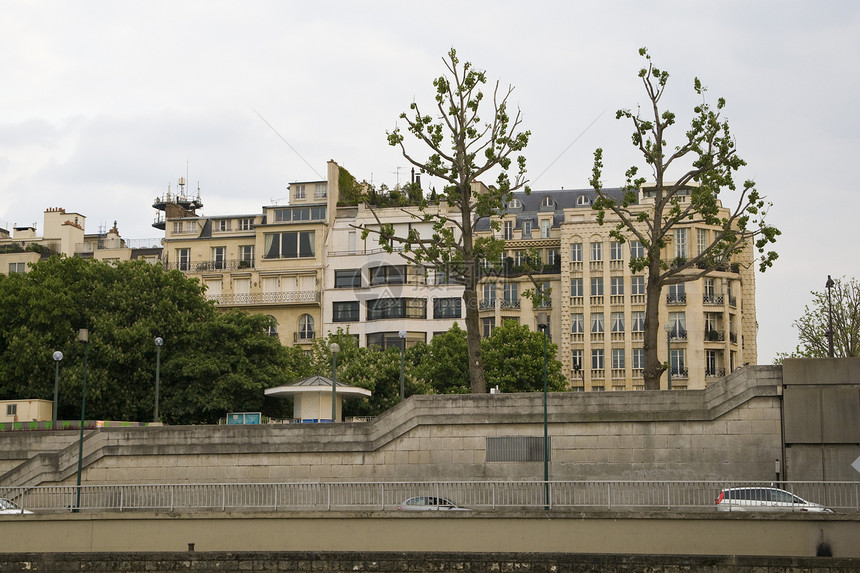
(463, 148)
(693, 198)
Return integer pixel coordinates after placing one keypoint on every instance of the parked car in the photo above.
(430, 503)
(764, 499)
(8, 507)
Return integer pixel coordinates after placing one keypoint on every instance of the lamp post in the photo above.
(83, 337)
(158, 342)
(402, 335)
(335, 348)
(57, 356)
(668, 328)
(829, 285)
(542, 325)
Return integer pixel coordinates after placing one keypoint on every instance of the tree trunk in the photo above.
(473, 340)
(653, 367)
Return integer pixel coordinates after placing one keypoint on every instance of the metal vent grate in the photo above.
(517, 449)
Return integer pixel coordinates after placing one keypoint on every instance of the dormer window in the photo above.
(547, 202)
(583, 201)
(515, 204)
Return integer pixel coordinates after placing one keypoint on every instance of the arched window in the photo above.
(547, 202)
(514, 204)
(583, 201)
(306, 327)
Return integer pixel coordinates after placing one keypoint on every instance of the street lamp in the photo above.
(829, 285)
(335, 348)
(84, 338)
(57, 356)
(542, 325)
(668, 329)
(158, 342)
(402, 335)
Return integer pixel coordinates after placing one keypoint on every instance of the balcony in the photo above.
(678, 335)
(713, 299)
(510, 304)
(675, 299)
(715, 335)
(306, 337)
(295, 297)
(714, 373)
(487, 304)
(206, 266)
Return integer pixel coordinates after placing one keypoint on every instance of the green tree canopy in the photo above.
(210, 362)
(514, 360)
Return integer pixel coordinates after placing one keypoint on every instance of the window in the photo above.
(547, 202)
(597, 286)
(576, 323)
(11, 409)
(519, 258)
(245, 224)
(388, 274)
(487, 326)
(677, 294)
(321, 191)
(618, 358)
(576, 359)
(289, 245)
(508, 230)
(299, 192)
(701, 240)
(597, 359)
(515, 204)
(219, 257)
(637, 321)
(511, 293)
(383, 308)
(527, 229)
(347, 278)
(583, 201)
(183, 259)
(710, 362)
(638, 359)
(306, 327)
(447, 307)
(597, 323)
(345, 311)
(223, 225)
(678, 321)
(17, 268)
(385, 340)
(615, 251)
(677, 362)
(680, 243)
(544, 228)
(617, 322)
(636, 250)
(637, 285)
(246, 255)
(596, 251)
(710, 288)
(575, 287)
(576, 252)
(287, 214)
(552, 257)
(617, 286)
(490, 295)
(272, 329)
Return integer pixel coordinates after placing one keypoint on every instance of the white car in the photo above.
(430, 503)
(10, 507)
(764, 499)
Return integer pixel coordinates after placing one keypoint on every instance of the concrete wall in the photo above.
(658, 533)
(729, 431)
(822, 418)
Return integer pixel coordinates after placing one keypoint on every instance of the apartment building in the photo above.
(64, 234)
(380, 297)
(269, 262)
(597, 309)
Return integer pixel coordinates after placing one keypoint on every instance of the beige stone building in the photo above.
(64, 234)
(597, 309)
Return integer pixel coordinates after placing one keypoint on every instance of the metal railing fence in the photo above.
(842, 497)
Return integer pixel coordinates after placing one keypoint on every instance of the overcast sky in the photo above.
(105, 103)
